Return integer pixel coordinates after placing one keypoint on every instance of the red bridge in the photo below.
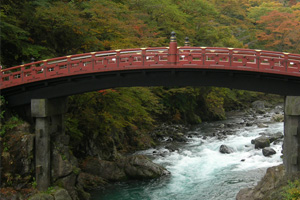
(257, 70)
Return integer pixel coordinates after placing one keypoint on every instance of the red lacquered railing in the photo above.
(153, 58)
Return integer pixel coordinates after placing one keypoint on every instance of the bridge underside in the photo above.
(245, 80)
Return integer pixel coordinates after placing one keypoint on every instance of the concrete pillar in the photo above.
(291, 146)
(48, 119)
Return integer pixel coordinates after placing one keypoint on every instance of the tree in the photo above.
(16, 42)
(280, 31)
(256, 12)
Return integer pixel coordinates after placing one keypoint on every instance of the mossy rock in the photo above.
(52, 194)
(42, 196)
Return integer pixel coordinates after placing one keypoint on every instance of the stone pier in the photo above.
(291, 146)
(48, 114)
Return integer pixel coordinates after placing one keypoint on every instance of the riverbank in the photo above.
(198, 169)
(70, 161)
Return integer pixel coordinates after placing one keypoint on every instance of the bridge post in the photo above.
(172, 57)
(291, 146)
(48, 119)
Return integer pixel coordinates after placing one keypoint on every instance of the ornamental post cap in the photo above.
(187, 41)
(173, 36)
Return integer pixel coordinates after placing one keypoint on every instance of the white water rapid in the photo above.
(199, 171)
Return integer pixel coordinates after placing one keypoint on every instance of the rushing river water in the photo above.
(199, 171)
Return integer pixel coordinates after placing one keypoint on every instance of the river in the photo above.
(199, 171)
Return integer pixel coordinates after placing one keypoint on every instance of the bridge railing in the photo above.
(149, 58)
(241, 59)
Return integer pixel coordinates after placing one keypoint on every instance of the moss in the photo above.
(10, 124)
(76, 170)
(291, 191)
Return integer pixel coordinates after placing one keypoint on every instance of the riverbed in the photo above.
(198, 170)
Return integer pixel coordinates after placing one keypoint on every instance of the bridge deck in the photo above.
(153, 58)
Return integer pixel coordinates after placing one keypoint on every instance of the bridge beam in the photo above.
(48, 116)
(291, 147)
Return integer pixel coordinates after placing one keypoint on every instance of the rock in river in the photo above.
(268, 151)
(140, 167)
(276, 136)
(132, 167)
(261, 142)
(226, 149)
(258, 105)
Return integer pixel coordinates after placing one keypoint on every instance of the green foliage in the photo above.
(34, 183)
(118, 117)
(73, 129)
(9, 178)
(44, 29)
(292, 191)
(10, 124)
(255, 13)
(76, 170)
(2, 111)
(50, 190)
(179, 104)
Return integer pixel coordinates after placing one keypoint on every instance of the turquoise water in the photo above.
(199, 171)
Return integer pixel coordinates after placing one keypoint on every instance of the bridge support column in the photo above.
(48, 119)
(291, 146)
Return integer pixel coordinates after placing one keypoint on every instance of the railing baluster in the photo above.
(257, 54)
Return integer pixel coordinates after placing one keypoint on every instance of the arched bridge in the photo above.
(256, 70)
(42, 83)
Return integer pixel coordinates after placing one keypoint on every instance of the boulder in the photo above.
(61, 194)
(270, 187)
(244, 194)
(226, 149)
(275, 137)
(132, 167)
(108, 170)
(260, 111)
(140, 167)
(42, 196)
(261, 125)
(172, 147)
(249, 124)
(179, 137)
(90, 182)
(68, 183)
(261, 142)
(64, 165)
(61, 166)
(267, 151)
(221, 137)
(258, 105)
(278, 117)
(10, 194)
(54, 194)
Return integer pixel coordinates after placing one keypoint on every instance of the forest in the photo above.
(41, 29)
(34, 30)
